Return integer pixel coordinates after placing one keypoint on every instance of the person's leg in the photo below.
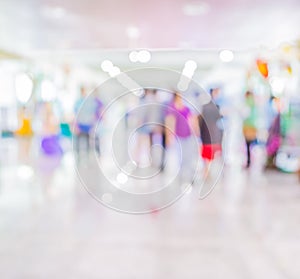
(187, 159)
(248, 145)
(151, 139)
(150, 143)
(87, 135)
(137, 144)
(83, 136)
(206, 156)
(97, 144)
(163, 155)
(139, 149)
(77, 142)
(206, 168)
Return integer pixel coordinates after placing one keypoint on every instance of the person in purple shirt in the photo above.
(182, 125)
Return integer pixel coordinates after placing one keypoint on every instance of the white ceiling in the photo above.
(77, 24)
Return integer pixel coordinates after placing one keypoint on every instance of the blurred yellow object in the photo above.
(8, 55)
(289, 69)
(287, 48)
(25, 129)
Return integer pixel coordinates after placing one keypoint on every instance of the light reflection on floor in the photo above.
(50, 227)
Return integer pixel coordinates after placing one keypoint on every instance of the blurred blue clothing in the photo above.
(87, 113)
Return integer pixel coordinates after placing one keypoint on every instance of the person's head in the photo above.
(149, 91)
(249, 95)
(177, 98)
(214, 92)
(83, 92)
(276, 102)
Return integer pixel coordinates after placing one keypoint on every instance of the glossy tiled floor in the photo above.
(50, 227)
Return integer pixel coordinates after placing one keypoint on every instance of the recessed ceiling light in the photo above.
(191, 65)
(133, 32)
(114, 71)
(133, 56)
(107, 65)
(226, 55)
(196, 8)
(144, 56)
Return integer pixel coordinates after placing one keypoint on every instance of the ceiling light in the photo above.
(132, 32)
(114, 71)
(107, 65)
(196, 9)
(133, 56)
(144, 56)
(189, 68)
(190, 65)
(226, 55)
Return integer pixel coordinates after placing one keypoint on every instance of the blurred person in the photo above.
(274, 133)
(98, 131)
(26, 125)
(250, 125)
(49, 120)
(25, 132)
(181, 123)
(211, 132)
(50, 131)
(86, 113)
(149, 122)
(164, 101)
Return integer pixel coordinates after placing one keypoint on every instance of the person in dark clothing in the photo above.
(275, 135)
(250, 125)
(211, 133)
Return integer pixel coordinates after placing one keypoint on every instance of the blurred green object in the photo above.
(65, 130)
(286, 123)
(7, 134)
(251, 119)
